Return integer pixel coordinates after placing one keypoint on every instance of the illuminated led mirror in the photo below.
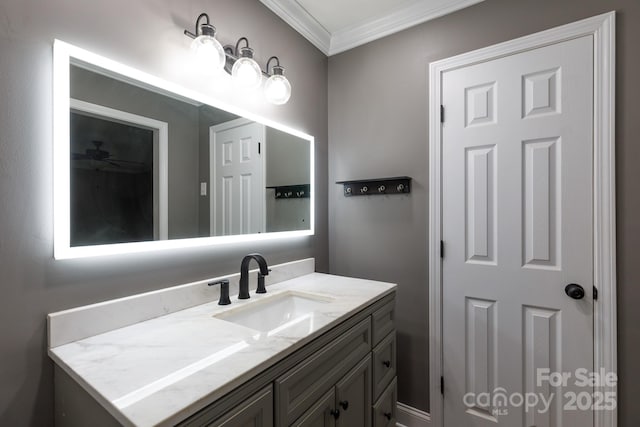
(142, 164)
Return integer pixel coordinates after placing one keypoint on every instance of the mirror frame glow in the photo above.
(63, 54)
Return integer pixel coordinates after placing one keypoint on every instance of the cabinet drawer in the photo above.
(256, 410)
(384, 364)
(384, 411)
(383, 321)
(300, 387)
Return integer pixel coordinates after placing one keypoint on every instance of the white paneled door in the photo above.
(237, 175)
(517, 229)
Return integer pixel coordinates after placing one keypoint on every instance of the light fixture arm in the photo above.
(237, 51)
(198, 25)
(269, 62)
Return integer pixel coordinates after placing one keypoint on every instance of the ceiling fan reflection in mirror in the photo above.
(101, 159)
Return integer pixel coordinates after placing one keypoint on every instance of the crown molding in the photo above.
(332, 43)
(402, 19)
(297, 17)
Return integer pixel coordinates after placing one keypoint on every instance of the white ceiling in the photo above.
(334, 26)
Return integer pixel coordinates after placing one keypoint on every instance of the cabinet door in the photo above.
(353, 396)
(384, 411)
(256, 412)
(321, 414)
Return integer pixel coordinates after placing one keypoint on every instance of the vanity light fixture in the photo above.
(239, 62)
(277, 88)
(246, 72)
(207, 49)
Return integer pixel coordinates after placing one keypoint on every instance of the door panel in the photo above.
(541, 207)
(480, 204)
(481, 358)
(237, 175)
(517, 215)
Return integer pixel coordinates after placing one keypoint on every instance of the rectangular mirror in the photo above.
(141, 164)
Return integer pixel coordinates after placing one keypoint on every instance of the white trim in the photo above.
(399, 20)
(411, 417)
(331, 43)
(602, 28)
(162, 130)
(64, 53)
(604, 209)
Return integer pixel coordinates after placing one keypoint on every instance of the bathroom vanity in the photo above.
(316, 349)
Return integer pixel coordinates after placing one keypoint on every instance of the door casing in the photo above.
(602, 28)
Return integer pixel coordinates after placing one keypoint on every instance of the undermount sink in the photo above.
(278, 313)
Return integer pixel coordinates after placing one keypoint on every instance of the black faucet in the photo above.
(224, 291)
(244, 275)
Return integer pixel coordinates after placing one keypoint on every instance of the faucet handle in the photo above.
(224, 291)
(261, 287)
(261, 283)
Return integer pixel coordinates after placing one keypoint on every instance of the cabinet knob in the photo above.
(387, 415)
(387, 363)
(335, 413)
(344, 404)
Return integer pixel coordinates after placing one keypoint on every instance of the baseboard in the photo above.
(411, 417)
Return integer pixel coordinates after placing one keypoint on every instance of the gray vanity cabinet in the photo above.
(347, 404)
(384, 364)
(321, 414)
(257, 411)
(300, 387)
(353, 396)
(384, 411)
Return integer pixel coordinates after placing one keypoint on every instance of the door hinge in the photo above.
(259, 147)
(441, 113)
(441, 249)
(595, 293)
(442, 385)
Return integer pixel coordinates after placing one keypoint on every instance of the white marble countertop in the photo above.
(159, 371)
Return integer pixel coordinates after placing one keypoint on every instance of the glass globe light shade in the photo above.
(209, 52)
(246, 72)
(277, 89)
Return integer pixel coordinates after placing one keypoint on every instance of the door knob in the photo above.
(574, 291)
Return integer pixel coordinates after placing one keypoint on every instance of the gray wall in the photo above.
(378, 127)
(146, 34)
(287, 159)
(287, 164)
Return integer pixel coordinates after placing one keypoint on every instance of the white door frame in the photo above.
(602, 28)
